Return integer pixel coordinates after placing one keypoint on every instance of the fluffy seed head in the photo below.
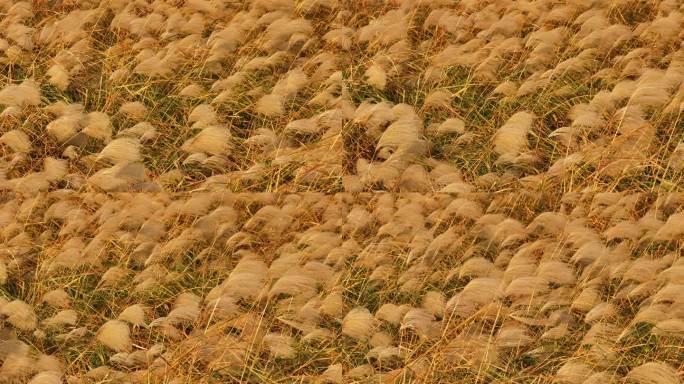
(20, 315)
(20, 95)
(358, 323)
(115, 335)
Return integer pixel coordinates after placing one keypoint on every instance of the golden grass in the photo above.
(339, 191)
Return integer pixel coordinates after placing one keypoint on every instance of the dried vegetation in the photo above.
(337, 191)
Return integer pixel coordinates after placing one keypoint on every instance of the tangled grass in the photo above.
(402, 191)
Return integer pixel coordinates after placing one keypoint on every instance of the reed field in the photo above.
(341, 191)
